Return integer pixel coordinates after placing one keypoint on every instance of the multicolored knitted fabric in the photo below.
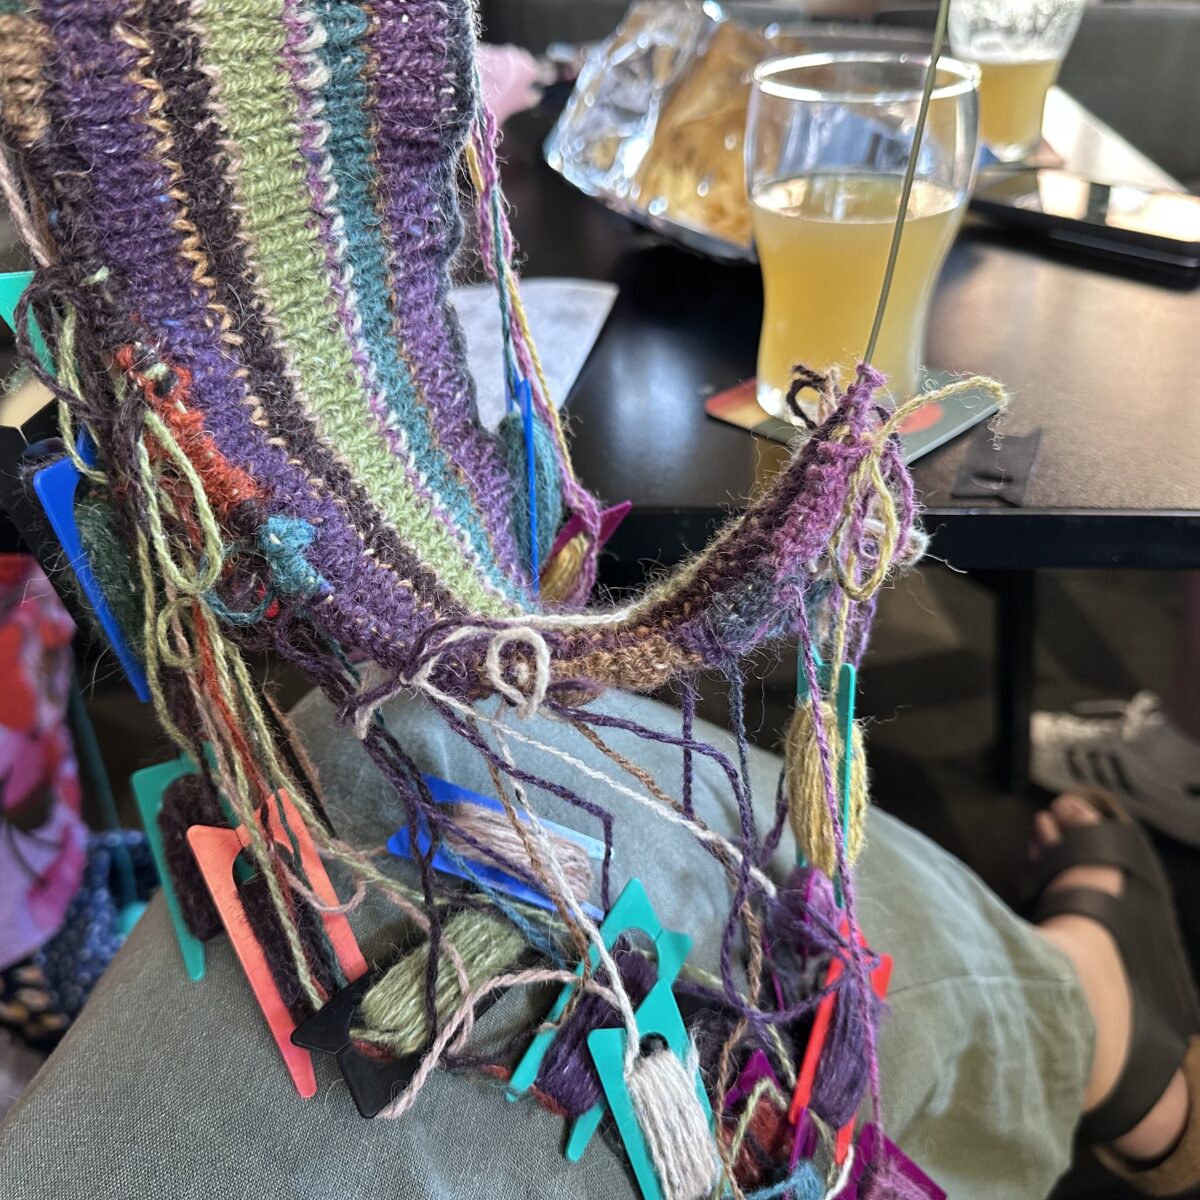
(244, 214)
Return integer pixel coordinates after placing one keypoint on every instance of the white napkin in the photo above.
(565, 315)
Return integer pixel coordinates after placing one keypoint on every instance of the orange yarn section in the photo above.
(765, 1147)
(225, 485)
(233, 729)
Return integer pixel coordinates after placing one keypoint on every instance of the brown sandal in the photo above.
(1179, 1172)
(1166, 1011)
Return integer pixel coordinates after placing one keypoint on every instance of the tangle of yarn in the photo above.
(495, 831)
(804, 1183)
(762, 1136)
(244, 247)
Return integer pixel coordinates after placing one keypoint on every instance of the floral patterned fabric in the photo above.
(43, 840)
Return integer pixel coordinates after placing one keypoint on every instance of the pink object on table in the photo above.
(509, 76)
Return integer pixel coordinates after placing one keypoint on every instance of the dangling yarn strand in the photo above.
(663, 1092)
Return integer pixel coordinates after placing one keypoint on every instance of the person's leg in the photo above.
(1097, 961)
(985, 1049)
(1146, 751)
(987, 1041)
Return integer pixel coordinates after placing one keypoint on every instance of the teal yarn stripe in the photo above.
(548, 489)
(259, 106)
(345, 110)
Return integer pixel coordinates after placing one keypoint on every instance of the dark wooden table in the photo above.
(1104, 360)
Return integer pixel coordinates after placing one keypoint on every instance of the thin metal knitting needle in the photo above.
(939, 35)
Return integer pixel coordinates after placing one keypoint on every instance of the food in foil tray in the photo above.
(655, 124)
(695, 169)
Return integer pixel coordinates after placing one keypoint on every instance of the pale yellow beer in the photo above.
(823, 244)
(1012, 96)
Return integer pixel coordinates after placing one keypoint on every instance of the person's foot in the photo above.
(1134, 752)
(1097, 961)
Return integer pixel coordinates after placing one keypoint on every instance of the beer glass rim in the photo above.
(766, 79)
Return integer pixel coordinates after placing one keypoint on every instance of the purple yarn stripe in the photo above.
(104, 112)
(685, 732)
(308, 74)
(423, 105)
(748, 587)
(195, 133)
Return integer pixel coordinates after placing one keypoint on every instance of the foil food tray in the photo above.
(654, 128)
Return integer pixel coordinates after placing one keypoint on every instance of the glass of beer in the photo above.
(1019, 46)
(828, 141)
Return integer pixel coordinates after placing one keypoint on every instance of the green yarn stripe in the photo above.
(362, 251)
(253, 89)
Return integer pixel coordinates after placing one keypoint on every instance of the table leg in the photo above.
(1015, 623)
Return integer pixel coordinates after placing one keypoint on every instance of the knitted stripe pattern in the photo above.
(192, 151)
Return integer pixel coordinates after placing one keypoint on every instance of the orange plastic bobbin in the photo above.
(880, 978)
(216, 850)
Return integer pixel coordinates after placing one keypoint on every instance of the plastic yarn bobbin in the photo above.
(495, 831)
(268, 932)
(675, 1127)
(190, 800)
(567, 1075)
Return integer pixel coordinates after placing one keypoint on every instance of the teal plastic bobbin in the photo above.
(657, 1014)
(149, 785)
(632, 910)
(12, 286)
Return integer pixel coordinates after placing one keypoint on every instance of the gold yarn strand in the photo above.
(804, 781)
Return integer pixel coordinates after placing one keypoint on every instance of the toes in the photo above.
(1046, 831)
(1074, 810)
